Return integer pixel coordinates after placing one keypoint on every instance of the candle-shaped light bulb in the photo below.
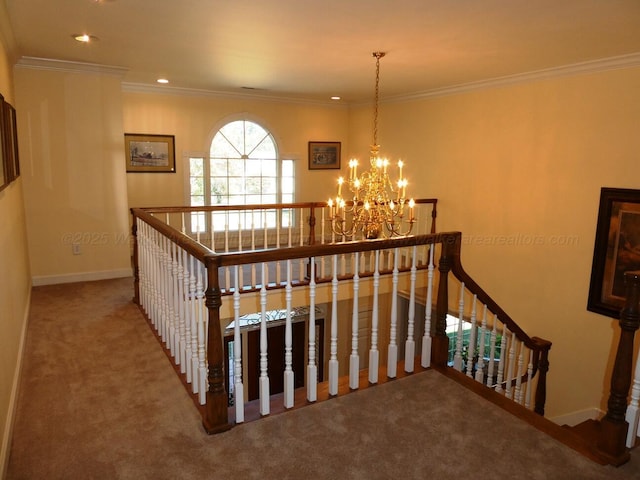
(378, 162)
(340, 182)
(367, 206)
(392, 205)
(400, 165)
(404, 187)
(411, 205)
(385, 163)
(356, 183)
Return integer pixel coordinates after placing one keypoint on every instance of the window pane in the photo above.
(269, 186)
(252, 185)
(270, 198)
(236, 168)
(287, 198)
(287, 168)
(196, 167)
(253, 199)
(222, 147)
(218, 167)
(197, 186)
(197, 200)
(269, 168)
(287, 185)
(265, 149)
(236, 185)
(254, 167)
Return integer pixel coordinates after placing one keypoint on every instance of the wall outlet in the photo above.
(75, 249)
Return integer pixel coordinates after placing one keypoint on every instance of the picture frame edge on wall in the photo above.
(614, 252)
(324, 155)
(150, 153)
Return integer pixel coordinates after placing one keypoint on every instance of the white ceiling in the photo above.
(314, 49)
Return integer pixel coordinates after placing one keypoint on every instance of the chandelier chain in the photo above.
(378, 56)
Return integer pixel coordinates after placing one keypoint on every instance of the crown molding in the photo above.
(181, 91)
(37, 63)
(594, 66)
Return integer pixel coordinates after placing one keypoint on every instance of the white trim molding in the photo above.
(81, 277)
(37, 63)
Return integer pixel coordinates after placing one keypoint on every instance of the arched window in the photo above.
(243, 168)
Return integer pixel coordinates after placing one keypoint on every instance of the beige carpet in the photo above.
(99, 400)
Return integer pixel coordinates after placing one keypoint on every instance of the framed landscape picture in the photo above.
(616, 249)
(324, 155)
(148, 153)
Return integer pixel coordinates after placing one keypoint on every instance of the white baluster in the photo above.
(481, 346)
(188, 353)
(238, 387)
(195, 321)
(633, 410)
(301, 267)
(502, 359)
(288, 357)
(213, 241)
(410, 343)
(278, 267)
(263, 386)
(180, 309)
(253, 248)
(374, 354)
(312, 369)
(227, 269)
(457, 358)
(202, 339)
(471, 351)
(517, 395)
(354, 358)
(511, 365)
(333, 360)
(392, 349)
(492, 352)
(183, 228)
(426, 337)
(174, 302)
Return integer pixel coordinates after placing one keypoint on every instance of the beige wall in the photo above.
(195, 119)
(70, 126)
(15, 280)
(524, 164)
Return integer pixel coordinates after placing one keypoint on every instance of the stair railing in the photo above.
(179, 286)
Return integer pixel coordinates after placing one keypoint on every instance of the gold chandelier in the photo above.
(378, 204)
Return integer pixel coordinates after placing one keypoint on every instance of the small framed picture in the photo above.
(150, 153)
(324, 155)
(616, 249)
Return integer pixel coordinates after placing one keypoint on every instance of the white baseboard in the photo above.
(574, 418)
(5, 448)
(81, 277)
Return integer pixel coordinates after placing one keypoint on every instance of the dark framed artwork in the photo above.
(616, 249)
(5, 170)
(11, 141)
(324, 155)
(147, 153)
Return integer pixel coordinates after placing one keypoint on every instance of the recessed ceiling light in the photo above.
(162, 80)
(335, 97)
(84, 38)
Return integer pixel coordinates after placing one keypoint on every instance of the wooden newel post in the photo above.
(440, 341)
(216, 418)
(613, 427)
(543, 368)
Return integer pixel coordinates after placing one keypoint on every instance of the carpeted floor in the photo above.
(99, 400)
